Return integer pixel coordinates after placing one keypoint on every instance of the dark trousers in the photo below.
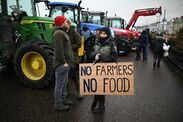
(157, 58)
(144, 50)
(74, 78)
(98, 99)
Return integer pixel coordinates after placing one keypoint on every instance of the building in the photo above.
(169, 27)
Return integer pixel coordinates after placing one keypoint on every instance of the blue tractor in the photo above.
(72, 12)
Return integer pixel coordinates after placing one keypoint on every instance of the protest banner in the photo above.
(107, 78)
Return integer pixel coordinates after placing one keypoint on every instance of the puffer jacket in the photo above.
(106, 50)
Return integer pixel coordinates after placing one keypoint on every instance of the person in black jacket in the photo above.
(103, 51)
(158, 51)
(143, 42)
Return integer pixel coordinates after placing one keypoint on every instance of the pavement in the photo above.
(158, 98)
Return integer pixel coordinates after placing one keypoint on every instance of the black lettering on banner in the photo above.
(115, 68)
(103, 71)
(89, 85)
(130, 68)
(110, 85)
(87, 70)
(104, 83)
(120, 69)
(119, 84)
(109, 70)
(97, 69)
(126, 82)
(124, 69)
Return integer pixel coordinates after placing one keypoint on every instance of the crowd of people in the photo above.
(156, 42)
(98, 48)
(66, 42)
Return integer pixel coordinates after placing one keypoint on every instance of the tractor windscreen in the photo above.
(17, 5)
(115, 23)
(95, 19)
(69, 12)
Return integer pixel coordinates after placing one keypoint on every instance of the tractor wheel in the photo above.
(33, 64)
(122, 46)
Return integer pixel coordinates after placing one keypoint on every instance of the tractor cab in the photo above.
(115, 22)
(94, 17)
(72, 12)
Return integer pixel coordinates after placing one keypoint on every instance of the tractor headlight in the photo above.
(15, 14)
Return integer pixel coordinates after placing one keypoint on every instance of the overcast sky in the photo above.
(125, 8)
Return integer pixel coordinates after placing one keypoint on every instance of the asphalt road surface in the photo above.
(158, 98)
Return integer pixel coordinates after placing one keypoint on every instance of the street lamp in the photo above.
(164, 21)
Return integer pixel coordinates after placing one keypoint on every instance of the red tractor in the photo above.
(127, 33)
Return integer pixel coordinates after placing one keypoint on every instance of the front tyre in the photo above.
(33, 64)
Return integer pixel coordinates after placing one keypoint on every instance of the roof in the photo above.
(62, 3)
(114, 18)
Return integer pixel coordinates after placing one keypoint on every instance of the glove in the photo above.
(97, 57)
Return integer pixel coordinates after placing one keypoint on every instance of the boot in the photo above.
(62, 107)
(154, 65)
(158, 65)
(67, 102)
(100, 109)
(94, 104)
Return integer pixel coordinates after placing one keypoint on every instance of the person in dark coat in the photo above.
(62, 62)
(89, 44)
(103, 51)
(143, 42)
(75, 39)
(158, 51)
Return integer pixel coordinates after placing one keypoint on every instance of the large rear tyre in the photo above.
(123, 47)
(33, 64)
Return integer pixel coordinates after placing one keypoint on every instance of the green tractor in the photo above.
(26, 42)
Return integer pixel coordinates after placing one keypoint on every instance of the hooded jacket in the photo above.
(62, 48)
(143, 39)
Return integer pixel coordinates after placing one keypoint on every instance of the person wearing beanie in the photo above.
(62, 62)
(103, 51)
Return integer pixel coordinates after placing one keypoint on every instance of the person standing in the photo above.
(143, 42)
(62, 61)
(104, 51)
(75, 39)
(158, 51)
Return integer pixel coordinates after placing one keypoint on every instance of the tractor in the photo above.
(26, 39)
(129, 34)
(26, 42)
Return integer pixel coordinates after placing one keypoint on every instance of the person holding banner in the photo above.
(103, 51)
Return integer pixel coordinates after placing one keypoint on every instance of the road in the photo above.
(158, 98)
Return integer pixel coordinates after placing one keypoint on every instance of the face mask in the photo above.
(102, 40)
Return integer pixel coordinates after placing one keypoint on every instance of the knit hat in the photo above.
(59, 20)
(106, 30)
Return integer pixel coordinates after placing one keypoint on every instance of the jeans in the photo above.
(60, 91)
